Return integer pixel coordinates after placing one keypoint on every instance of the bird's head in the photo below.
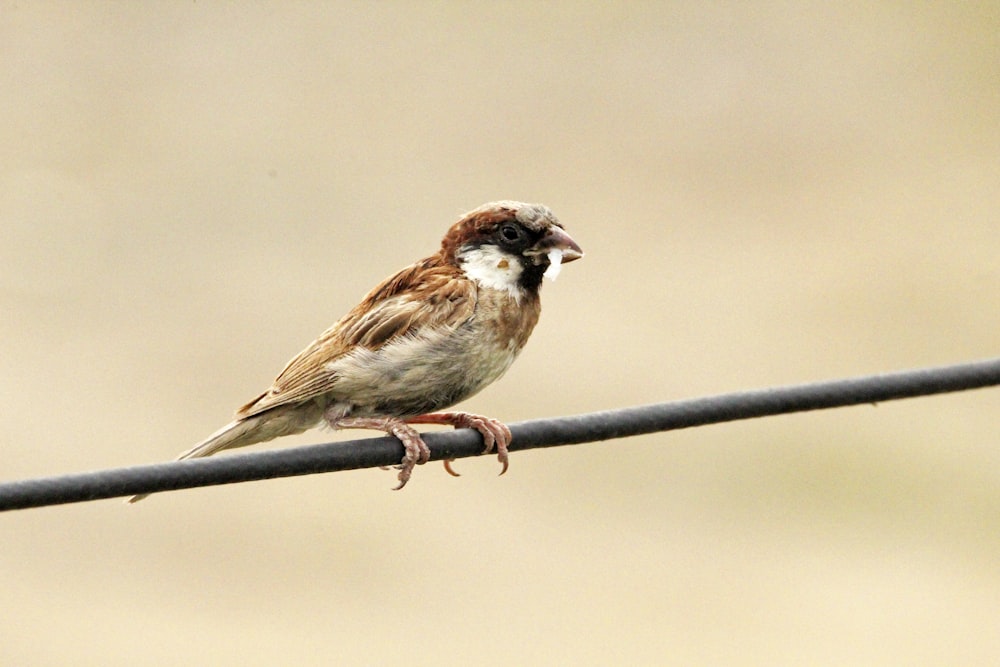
(509, 245)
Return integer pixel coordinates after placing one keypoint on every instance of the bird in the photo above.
(429, 336)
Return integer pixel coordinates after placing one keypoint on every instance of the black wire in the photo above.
(590, 427)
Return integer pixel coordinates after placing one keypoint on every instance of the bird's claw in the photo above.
(495, 433)
(417, 452)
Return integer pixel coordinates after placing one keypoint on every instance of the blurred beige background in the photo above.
(767, 193)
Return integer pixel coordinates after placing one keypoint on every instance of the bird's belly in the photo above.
(419, 374)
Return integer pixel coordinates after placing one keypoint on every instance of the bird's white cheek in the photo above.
(490, 267)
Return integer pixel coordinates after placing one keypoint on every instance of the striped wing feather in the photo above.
(427, 294)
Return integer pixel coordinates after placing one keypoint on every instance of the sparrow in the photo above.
(430, 336)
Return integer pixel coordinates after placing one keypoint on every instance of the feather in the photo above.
(441, 300)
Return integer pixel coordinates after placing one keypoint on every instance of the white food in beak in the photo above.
(555, 264)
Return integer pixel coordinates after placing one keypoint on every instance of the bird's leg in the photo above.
(492, 430)
(417, 450)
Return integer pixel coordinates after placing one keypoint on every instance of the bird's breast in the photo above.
(430, 370)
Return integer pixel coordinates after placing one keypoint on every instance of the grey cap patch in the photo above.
(533, 216)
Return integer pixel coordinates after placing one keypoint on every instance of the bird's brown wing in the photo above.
(427, 294)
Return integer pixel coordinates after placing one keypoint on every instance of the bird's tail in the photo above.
(249, 431)
(234, 434)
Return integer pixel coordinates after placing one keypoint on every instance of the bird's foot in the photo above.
(417, 451)
(494, 432)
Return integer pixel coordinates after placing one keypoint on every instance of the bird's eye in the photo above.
(510, 232)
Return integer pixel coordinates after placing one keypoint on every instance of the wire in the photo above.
(463, 443)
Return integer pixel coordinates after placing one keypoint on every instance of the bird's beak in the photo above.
(557, 239)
